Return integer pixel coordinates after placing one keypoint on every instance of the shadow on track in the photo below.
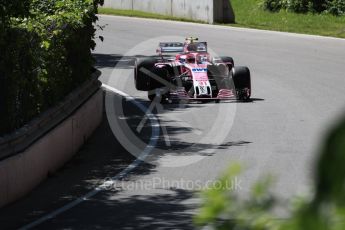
(132, 212)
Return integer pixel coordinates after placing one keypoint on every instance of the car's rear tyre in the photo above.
(242, 82)
(142, 79)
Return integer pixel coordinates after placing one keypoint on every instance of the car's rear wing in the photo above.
(170, 47)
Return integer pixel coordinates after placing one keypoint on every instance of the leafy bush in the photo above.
(45, 54)
(317, 6)
(19, 86)
(273, 5)
(13, 8)
(298, 6)
(336, 7)
(325, 209)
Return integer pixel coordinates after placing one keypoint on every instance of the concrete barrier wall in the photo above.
(154, 6)
(209, 11)
(20, 173)
(201, 10)
(223, 12)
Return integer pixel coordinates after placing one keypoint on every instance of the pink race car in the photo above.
(191, 74)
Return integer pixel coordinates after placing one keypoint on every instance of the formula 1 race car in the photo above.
(191, 74)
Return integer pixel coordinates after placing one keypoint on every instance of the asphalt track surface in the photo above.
(298, 92)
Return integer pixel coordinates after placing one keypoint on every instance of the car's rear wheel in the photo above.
(142, 70)
(242, 82)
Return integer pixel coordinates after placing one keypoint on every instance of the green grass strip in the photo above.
(249, 14)
(141, 14)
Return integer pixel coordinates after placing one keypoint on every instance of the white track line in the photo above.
(121, 175)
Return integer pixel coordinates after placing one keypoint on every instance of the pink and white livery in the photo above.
(191, 74)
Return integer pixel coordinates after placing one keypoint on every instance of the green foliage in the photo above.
(18, 86)
(224, 209)
(273, 5)
(45, 54)
(13, 8)
(325, 210)
(330, 176)
(318, 5)
(298, 6)
(249, 13)
(335, 7)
